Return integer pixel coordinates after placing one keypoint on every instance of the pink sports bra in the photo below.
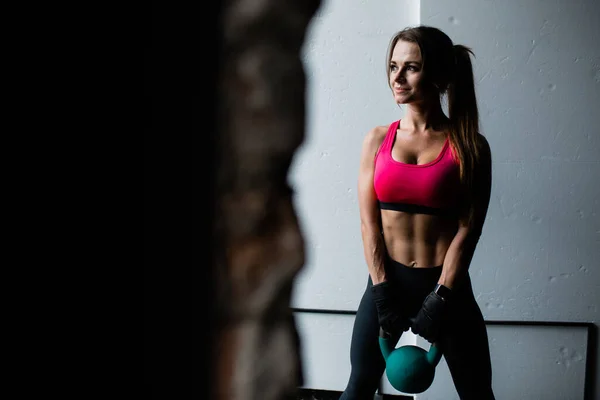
(431, 188)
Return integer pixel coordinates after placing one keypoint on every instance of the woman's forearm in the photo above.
(460, 253)
(374, 250)
(457, 261)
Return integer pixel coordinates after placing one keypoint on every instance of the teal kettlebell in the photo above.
(409, 368)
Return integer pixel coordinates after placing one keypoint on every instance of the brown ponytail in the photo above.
(464, 117)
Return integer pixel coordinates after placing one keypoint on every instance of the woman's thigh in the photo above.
(466, 350)
(367, 363)
(365, 354)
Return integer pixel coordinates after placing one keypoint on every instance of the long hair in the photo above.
(448, 68)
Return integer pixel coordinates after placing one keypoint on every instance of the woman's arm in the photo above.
(462, 248)
(370, 217)
(383, 291)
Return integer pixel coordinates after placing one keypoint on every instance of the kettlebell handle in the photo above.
(434, 355)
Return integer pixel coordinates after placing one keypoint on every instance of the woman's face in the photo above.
(406, 73)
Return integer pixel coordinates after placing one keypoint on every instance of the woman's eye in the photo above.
(393, 67)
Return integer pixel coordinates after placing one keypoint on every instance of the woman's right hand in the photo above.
(390, 318)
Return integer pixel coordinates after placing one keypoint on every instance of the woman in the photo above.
(424, 189)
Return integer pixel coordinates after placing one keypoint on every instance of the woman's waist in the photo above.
(417, 251)
(415, 283)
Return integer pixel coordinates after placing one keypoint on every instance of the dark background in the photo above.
(180, 78)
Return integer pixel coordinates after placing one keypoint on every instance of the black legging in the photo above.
(464, 341)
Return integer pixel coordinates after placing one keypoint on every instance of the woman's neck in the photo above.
(421, 117)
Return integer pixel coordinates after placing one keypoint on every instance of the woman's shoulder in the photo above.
(482, 140)
(483, 145)
(376, 135)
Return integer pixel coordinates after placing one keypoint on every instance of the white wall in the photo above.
(538, 82)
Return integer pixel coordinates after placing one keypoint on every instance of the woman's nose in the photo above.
(400, 78)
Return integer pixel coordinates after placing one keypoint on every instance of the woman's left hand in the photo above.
(428, 321)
